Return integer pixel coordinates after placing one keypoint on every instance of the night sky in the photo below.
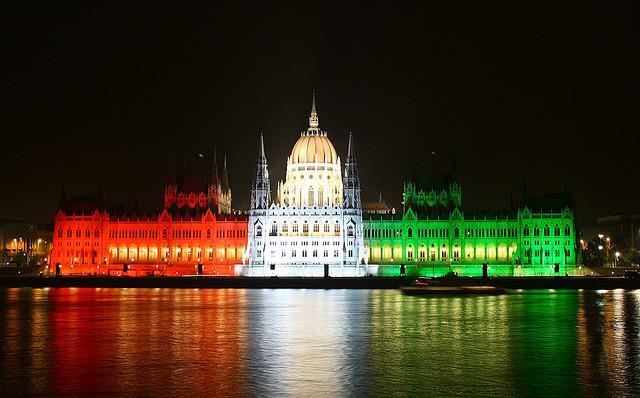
(109, 97)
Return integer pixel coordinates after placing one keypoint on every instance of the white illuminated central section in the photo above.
(313, 173)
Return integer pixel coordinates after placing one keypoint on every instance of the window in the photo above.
(326, 227)
(336, 228)
(536, 231)
(315, 253)
(350, 253)
(305, 228)
(316, 227)
(164, 234)
(456, 232)
(525, 230)
(326, 253)
(294, 228)
(567, 230)
(259, 230)
(208, 233)
(335, 253)
(350, 230)
(410, 232)
(546, 230)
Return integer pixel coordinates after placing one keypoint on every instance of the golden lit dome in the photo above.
(314, 148)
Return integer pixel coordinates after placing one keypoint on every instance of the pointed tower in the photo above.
(261, 189)
(314, 122)
(225, 175)
(351, 180)
(224, 197)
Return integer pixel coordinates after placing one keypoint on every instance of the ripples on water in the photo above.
(182, 342)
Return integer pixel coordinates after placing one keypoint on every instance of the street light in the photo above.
(617, 257)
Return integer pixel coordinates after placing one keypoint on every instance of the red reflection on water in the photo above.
(145, 341)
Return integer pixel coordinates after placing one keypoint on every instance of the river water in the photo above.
(182, 342)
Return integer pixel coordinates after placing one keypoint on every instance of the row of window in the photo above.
(546, 230)
(304, 253)
(284, 229)
(152, 234)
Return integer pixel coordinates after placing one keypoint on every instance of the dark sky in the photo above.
(109, 96)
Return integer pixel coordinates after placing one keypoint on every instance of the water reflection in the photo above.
(183, 342)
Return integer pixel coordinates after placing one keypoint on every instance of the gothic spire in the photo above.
(261, 189)
(351, 180)
(261, 154)
(225, 174)
(351, 151)
(314, 124)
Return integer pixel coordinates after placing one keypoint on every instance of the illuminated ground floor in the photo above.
(304, 270)
(144, 270)
(493, 270)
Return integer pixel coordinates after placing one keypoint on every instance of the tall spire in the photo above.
(225, 174)
(261, 154)
(351, 180)
(314, 125)
(261, 189)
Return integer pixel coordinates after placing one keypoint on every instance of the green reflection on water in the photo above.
(522, 344)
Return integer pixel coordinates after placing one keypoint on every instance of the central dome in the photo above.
(314, 148)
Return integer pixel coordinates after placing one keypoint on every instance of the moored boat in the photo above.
(422, 287)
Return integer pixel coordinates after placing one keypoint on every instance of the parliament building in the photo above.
(314, 225)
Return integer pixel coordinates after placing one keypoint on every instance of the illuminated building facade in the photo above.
(435, 236)
(195, 232)
(314, 227)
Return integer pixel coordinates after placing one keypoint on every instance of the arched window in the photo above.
(536, 231)
(525, 230)
(78, 233)
(87, 233)
(59, 232)
(96, 233)
(208, 233)
(410, 232)
(456, 232)
(310, 197)
(556, 230)
(274, 229)
(316, 227)
(546, 230)
(350, 230)
(567, 230)
(327, 228)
